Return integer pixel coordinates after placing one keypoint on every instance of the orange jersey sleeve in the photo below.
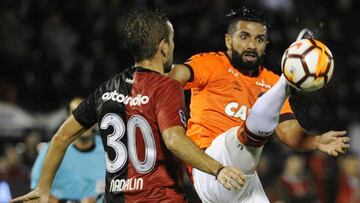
(204, 67)
(286, 108)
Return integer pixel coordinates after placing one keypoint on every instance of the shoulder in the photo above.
(156, 84)
(166, 87)
(206, 64)
(210, 57)
(269, 75)
(121, 83)
(167, 83)
(121, 79)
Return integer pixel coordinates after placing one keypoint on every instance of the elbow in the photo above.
(172, 144)
(294, 145)
(174, 139)
(291, 134)
(291, 141)
(61, 141)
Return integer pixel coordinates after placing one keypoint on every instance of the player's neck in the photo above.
(152, 64)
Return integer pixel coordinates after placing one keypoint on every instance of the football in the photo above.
(307, 64)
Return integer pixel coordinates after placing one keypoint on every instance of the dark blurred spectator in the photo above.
(349, 180)
(14, 34)
(15, 172)
(8, 91)
(59, 40)
(318, 164)
(31, 140)
(294, 186)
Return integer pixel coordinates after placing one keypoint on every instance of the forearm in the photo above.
(51, 163)
(301, 141)
(185, 149)
(190, 153)
(295, 137)
(62, 139)
(332, 142)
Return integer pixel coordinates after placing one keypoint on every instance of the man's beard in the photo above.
(238, 62)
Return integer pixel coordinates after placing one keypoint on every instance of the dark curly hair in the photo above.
(246, 14)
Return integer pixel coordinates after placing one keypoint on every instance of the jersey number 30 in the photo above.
(121, 153)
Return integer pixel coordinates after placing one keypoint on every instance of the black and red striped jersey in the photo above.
(132, 109)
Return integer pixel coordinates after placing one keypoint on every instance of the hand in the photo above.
(37, 195)
(231, 178)
(89, 200)
(333, 142)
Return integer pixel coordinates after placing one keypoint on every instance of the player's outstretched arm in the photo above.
(67, 133)
(185, 149)
(181, 73)
(292, 134)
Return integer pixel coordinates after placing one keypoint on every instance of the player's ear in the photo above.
(228, 41)
(164, 47)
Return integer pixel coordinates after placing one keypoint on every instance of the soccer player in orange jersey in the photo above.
(225, 86)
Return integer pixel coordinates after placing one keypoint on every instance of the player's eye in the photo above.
(260, 39)
(243, 36)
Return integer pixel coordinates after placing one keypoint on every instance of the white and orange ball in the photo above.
(307, 64)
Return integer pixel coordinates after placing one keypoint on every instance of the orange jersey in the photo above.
(221, 96)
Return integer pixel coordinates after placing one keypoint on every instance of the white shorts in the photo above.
(227, 149)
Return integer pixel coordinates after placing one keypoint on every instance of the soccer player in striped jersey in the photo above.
(141, 117)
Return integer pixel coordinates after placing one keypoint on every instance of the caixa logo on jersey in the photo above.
(132, 101)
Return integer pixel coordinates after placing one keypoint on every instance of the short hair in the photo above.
(144, 30)
(245, 14)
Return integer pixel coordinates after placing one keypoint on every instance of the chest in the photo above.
(235, 94)
(233, 86)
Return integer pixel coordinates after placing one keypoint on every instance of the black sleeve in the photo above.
(286, 116)
(85, 113)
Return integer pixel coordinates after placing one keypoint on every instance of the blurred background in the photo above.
(52, 51)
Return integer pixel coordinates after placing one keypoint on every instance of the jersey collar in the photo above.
(144, 70)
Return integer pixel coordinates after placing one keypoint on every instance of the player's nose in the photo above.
(251, 44)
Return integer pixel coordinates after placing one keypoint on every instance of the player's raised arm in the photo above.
(293, 135)
(185, 149)
(181, 73)
(67, 133)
